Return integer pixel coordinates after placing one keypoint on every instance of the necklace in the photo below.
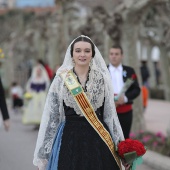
(82, 79)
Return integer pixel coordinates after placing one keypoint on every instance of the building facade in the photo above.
(34, 3)
(26, 3)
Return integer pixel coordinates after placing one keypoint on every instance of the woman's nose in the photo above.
(82, 53)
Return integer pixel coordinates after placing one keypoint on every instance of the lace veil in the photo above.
(53, 113)
(43, 77)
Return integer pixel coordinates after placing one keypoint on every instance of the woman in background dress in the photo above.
(37, 87)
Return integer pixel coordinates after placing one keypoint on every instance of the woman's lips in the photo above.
(82, 60)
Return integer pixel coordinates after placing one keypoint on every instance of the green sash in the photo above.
(88, 111)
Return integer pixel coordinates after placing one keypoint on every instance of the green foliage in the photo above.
(12, 13)
(27, 16)
(2, 18)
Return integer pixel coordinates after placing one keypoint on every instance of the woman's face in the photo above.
(39, 72)
(82, 53)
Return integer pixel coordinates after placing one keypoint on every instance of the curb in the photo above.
(156, 160)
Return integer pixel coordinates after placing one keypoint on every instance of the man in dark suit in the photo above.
(119, 74)
(3, 107)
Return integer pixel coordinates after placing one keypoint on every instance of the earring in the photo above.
(91, 63)
(73, 62)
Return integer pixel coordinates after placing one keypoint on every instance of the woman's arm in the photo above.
(3, 107)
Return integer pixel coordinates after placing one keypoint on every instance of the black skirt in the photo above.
(82, 148)
(17, 102)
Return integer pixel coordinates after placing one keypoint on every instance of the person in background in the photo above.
(145, 84)
(17, 96)
(157, 72)
(47, 67)
(3, 107)
(145, 96)
(119, 74)
(144, 73)
(36, 87)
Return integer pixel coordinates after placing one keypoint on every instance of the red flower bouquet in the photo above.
(131, 151)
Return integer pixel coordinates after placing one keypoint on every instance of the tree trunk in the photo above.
(152, 78)
(64, 35)
(106, 47)
(165, 72)
(130, 57)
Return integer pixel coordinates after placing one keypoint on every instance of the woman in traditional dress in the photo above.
(79, 128)
(37, 86)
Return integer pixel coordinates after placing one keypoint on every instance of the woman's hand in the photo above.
(6, 124)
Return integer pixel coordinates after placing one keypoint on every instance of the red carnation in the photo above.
(133, 76)
(130, 145)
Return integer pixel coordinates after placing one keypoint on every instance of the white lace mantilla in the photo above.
(95, 92)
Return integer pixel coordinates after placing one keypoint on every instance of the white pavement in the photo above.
(157, 116)
(17, 146)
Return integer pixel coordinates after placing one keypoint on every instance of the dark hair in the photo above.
(143, 62)
(40, 61)
(14, 83)
(85, 39)
(118, 47)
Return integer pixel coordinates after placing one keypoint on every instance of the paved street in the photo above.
(157, 116)
(17, 145)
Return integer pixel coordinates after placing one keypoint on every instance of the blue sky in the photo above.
(34, 3)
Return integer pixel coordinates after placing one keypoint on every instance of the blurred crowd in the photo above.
(40, 78)
(30, 100)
